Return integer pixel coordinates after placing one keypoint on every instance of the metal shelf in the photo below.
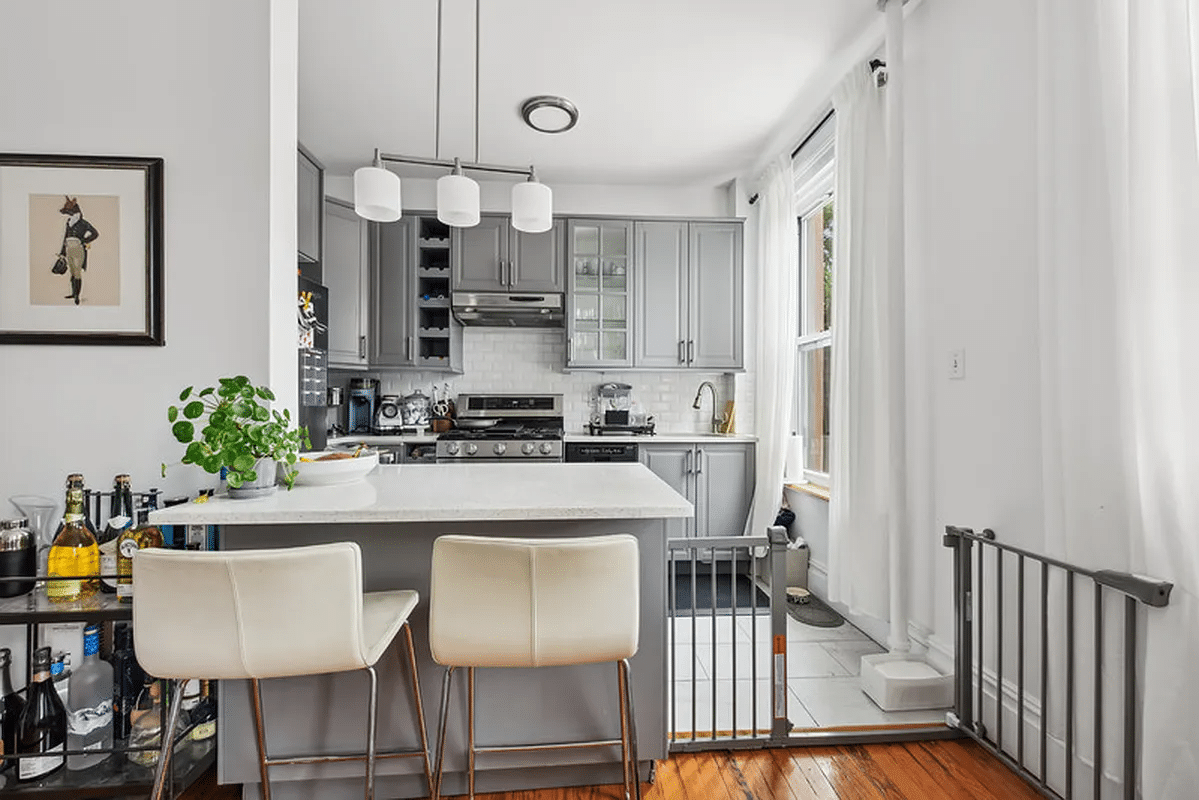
(36, 607)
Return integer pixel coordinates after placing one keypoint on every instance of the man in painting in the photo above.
(76, 239)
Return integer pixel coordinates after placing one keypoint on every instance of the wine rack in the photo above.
(438, 335)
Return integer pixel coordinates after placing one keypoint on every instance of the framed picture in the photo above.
(80, 250)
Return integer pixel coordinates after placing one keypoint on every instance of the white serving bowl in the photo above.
(334, 471)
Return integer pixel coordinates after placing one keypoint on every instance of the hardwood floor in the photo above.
(939, 770)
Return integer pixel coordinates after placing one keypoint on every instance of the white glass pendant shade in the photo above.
(457, 201)
(377, 194)
(532, 207)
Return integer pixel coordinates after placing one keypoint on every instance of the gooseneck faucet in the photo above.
(699, 393)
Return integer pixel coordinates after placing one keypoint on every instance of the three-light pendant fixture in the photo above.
(377, 189)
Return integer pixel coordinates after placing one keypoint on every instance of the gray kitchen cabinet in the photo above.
(599, 319)
(495, 257)
(717, 477)
(689, 295)
(392, 289)
(310, 192)
(346, 272)
(410, 297)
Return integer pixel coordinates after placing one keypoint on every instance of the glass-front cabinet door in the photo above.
(599, 322)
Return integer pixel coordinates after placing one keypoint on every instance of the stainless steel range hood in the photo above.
(508, 309)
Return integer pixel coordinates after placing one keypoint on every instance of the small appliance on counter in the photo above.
(389, 415)
(613, 410)
(364, 394)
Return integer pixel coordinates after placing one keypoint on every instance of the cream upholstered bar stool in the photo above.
(534, 618)
(254, 614)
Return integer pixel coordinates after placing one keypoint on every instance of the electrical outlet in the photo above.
(957, 364)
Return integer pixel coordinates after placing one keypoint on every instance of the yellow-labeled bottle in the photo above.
(74, 554)
(139, 537)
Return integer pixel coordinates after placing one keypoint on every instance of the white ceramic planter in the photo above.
(268, 471)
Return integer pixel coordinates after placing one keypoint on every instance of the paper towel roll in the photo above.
(793, 470)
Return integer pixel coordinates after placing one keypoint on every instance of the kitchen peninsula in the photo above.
(394, 514)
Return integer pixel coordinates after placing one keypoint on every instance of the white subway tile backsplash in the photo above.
(531, 360)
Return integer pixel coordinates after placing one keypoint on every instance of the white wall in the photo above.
(188, 82)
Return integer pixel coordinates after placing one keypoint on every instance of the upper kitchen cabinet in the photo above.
(347, 276)
(410, 296)
(599, 331)
(310, 193)
(689, 295)
(495, 257)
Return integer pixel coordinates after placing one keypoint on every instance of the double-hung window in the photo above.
(814, 174)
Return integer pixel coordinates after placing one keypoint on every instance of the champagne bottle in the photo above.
(139, 537)
(127, 679)
(42, 728)
(120, 518)
(11, 706)
(89, 725)
(74, 552)
(76, 477)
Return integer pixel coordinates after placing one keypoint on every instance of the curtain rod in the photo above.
(800, 146)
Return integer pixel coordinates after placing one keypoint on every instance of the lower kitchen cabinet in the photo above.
(717, 477)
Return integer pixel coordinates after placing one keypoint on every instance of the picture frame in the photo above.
(81, 250)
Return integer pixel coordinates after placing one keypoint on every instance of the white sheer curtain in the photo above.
(1118, 246)
(860, 409)
(778, 314)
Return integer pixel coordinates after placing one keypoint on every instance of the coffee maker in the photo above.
(364, 396)
(613, 410)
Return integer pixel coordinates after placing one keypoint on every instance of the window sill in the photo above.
(809, 488)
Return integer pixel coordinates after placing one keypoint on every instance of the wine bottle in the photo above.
(139, 537)
(120, 518)
(74, 552)
(42, 728)
(11, 706)
(60, 676)
(127, 679)
(203, 716)
(89, 725)
(145, 723)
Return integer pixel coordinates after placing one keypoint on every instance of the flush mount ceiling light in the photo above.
(549, 114)
(377, 189)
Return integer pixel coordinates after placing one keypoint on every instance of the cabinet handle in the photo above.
(362, 347)
(570, 349)
(690, 350)
(408, 351)
(682, 352)
(687, 462)
(699, 461)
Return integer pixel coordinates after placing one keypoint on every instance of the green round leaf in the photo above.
(244, 462)
(195, 453)
(185, 394)
(184, 431)
(234, 479)
(247, 391)
(206, 392)
(193, 410)
(172, 414)
(267, 394)
(261, 414)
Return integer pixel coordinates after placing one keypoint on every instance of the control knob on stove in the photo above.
(499, 448)
(546, 447)
(471, 449)
(527, 448)
(451, 448)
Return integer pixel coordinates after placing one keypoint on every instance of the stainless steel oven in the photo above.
(504, 427)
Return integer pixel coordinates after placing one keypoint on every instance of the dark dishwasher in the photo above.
(596, 452)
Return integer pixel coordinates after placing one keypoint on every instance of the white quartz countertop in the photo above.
(462, 492)
(661, 437)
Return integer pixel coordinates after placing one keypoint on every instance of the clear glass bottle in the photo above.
(139, 537)
(145, 724)
(42, 729)
(203, 716)
(120, 517)
(11, 706)
(74, 552)
(89, 725)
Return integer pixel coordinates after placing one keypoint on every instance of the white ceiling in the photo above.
(670, 92)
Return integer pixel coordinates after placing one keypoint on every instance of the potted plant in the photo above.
(230, 426)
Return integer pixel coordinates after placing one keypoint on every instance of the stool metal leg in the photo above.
(256, 691)
(626, 702)
(624, 733)
(372, 725)
(470, 733)
(167, 740)
(420, 709)
(445, 708)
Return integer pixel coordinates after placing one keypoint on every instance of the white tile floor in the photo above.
(823, 689)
